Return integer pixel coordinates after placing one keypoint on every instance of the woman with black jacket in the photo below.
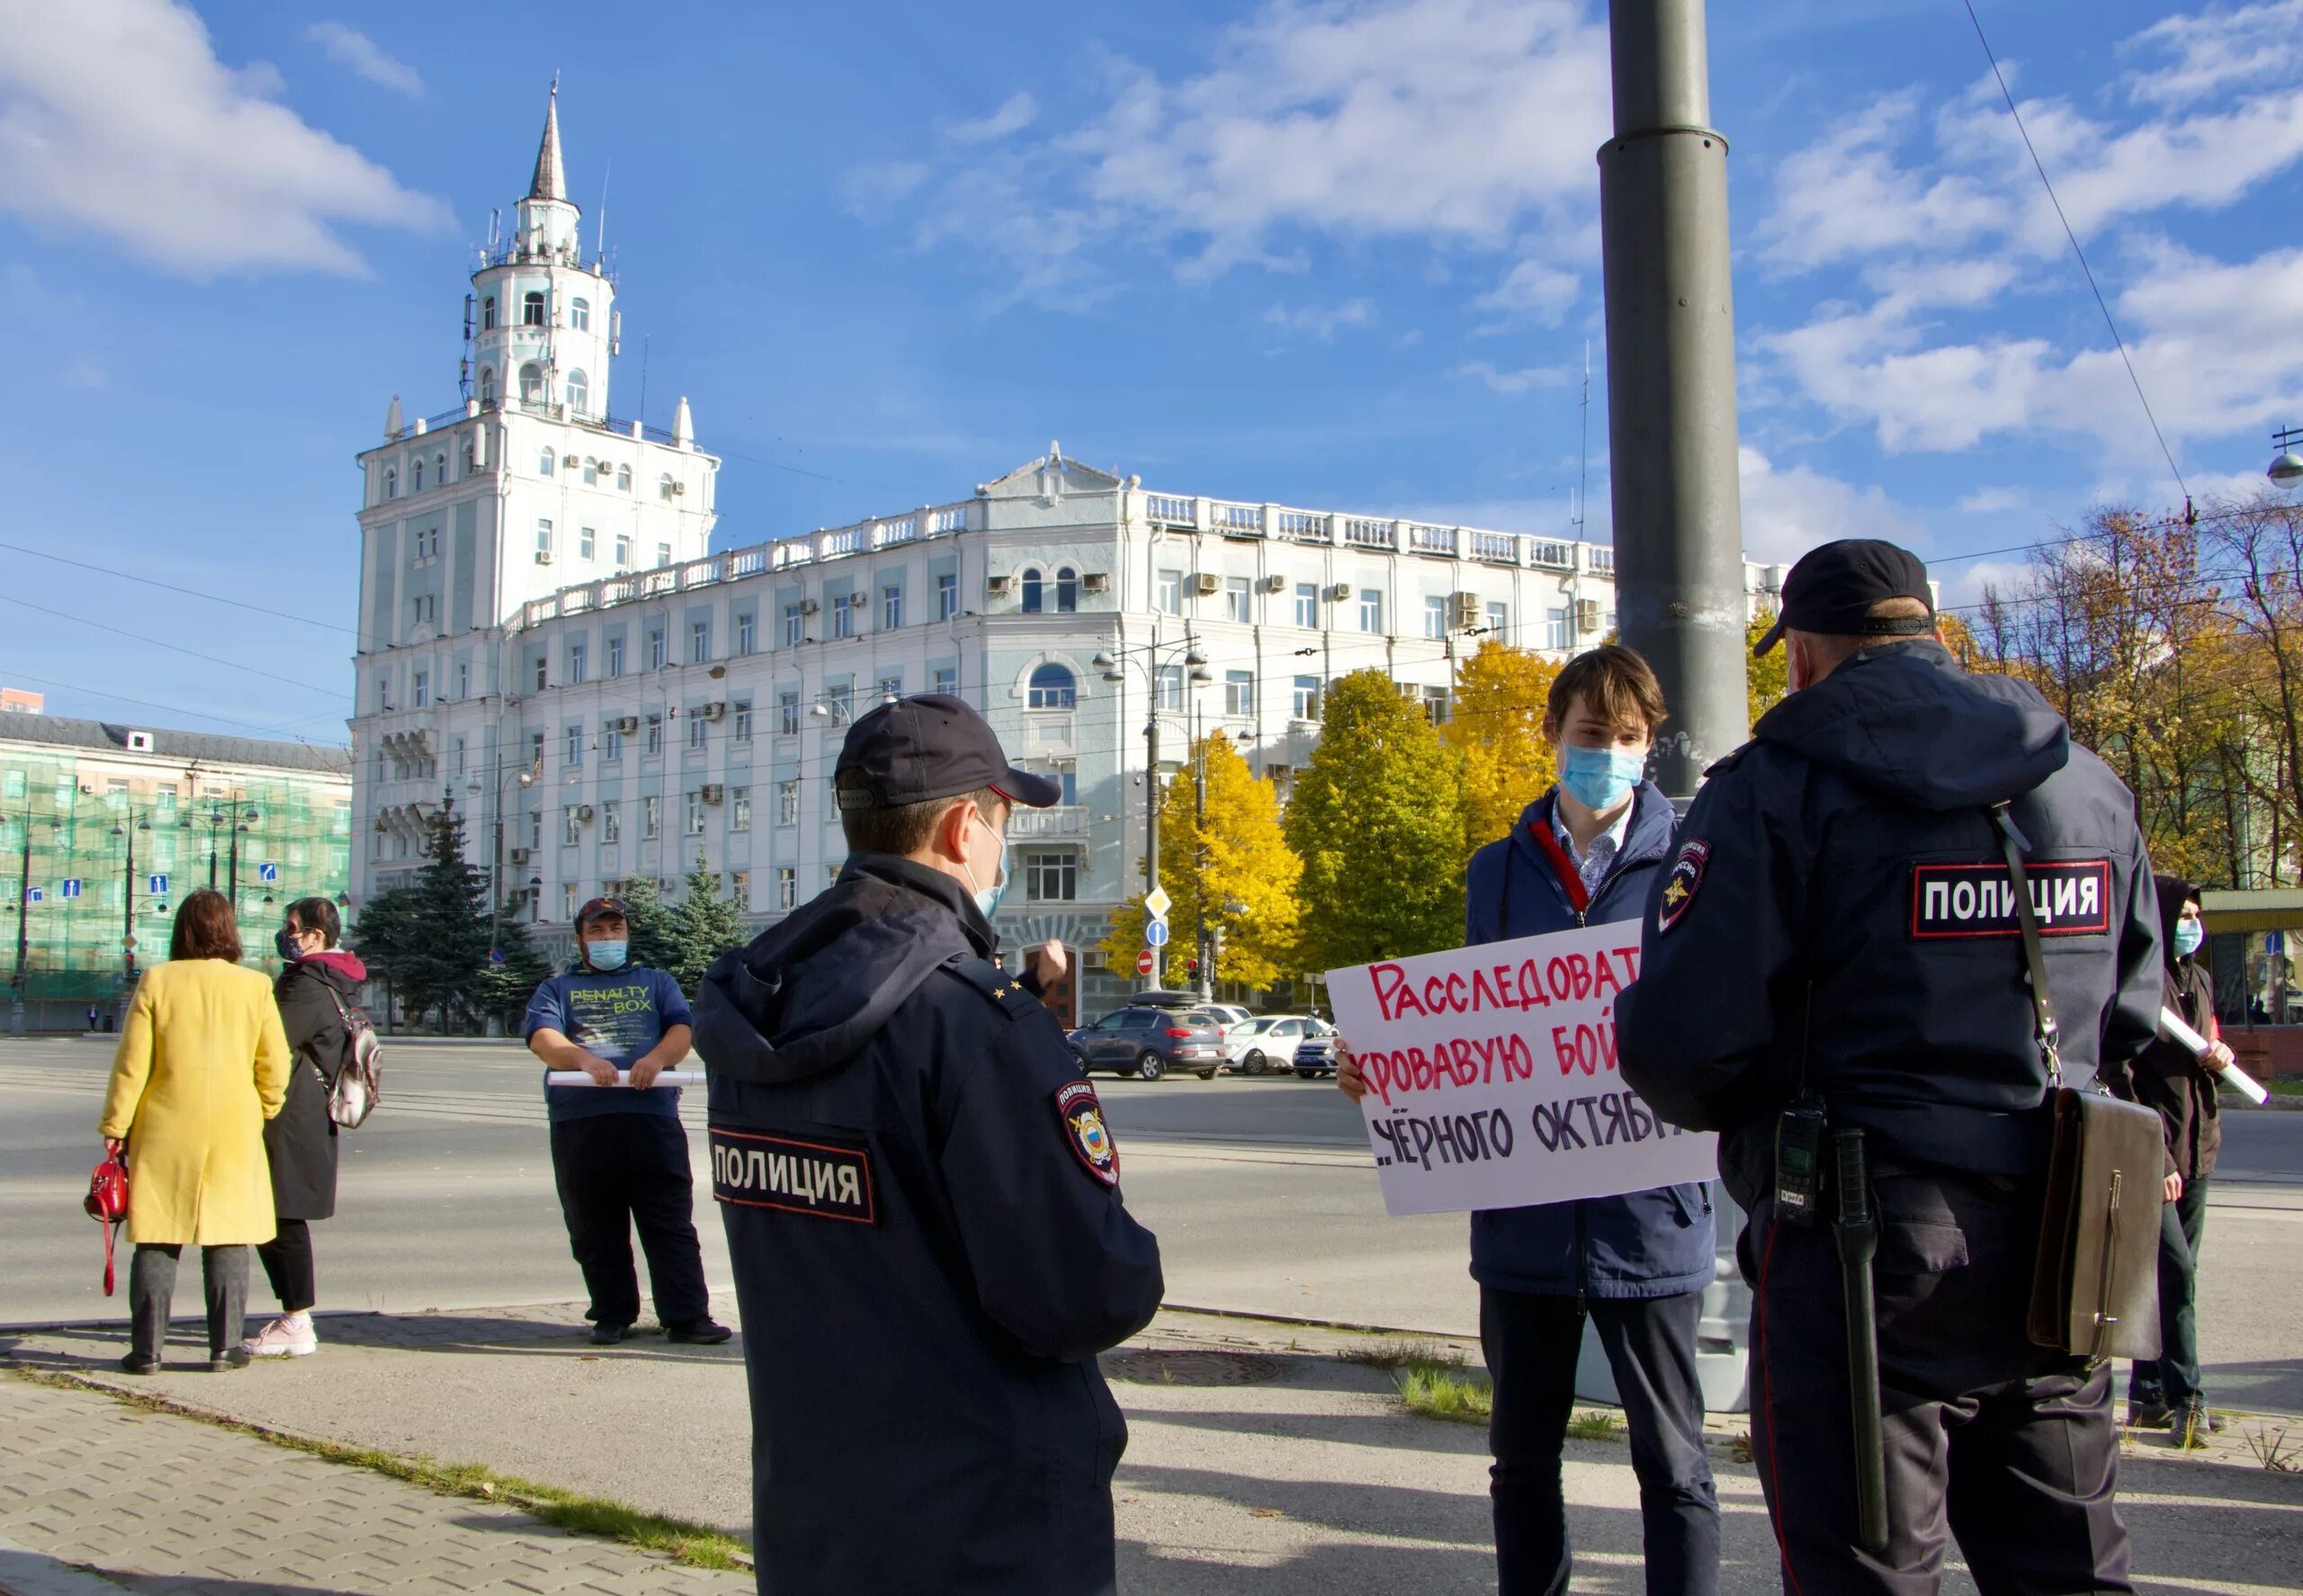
(315, 982)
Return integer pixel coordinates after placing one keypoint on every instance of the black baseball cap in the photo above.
(593, 907)
(933, 746)
(1831, 589)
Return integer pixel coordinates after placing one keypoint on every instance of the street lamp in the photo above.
(2287, 468)
(528, 775)
(1152, 657)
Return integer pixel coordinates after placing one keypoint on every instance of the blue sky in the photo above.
(1340, 255)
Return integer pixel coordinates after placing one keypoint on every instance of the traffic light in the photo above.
(1194, 968)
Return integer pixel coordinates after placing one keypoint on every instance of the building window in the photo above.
(579, 315)
(415, 476)
(1052, 687)
(611, 742)
(654, 745)
(665, 485)
(1306, 707)
(747, 632)
(531, 383)
(656, 654)
(1239, 692)
(623, 551)
(698, 731)
(487, 314)
(743, 732)
(740, 809)
(568, 901)
(623, 478)
(463, 681)
(1371, 609)
(487, 390)
(694, 812)
(535, 752)
(576, 652)
(831, 875)
(535, 830)
(1052, 875)
(787, 803)
(1556, 628)
(1235, 598)
(391, 483)
(612, 820)
(652, 817)
(1169, 593)
(585, 540)
(839, 705)
(891, 688)
(787, 713)
(591, 471)
(1435, 615)
(890, 607)
(615, 657)
(739, 890)
(699, 641)
(572, 832)
(543, 672)
(547, 462)
(787, 886)
(794, 620)
(532, 309)
(1437, 708)
(579, 392)
(575, 747)
(460, 759)
(947, 595)
(946, 679)
(663, 555)
(1032, 590)
(440, 472)
(1498, 621)
(1067, 590)
(423, 688)
(843, 617)
(1168, 687)
(543, 536)
(472, 458)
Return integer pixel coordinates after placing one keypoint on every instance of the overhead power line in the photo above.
(125, 576)
(174, 709)
(42, 609)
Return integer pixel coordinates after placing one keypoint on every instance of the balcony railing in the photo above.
(1553, 555)
(1430, 539)
(1236, 518)
(1065, 820)
(1304, 526)
(1602, 557)
(1168, 510)
(1362, 533)
(1497, 547)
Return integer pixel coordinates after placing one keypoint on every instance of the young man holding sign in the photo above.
(1584, 854)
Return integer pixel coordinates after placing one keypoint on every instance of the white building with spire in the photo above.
(548, 643)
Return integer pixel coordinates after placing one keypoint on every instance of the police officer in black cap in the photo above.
(1836, 948)
(923, 1206)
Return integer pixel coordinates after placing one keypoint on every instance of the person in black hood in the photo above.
(1839, 927)
(2163, 1392)
(922, 1204)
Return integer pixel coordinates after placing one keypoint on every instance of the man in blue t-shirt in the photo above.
(619, 1154)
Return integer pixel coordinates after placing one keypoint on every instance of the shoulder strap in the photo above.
(1009, 991)
(2014, 843)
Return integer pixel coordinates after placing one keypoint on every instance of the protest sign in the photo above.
(1492, 1079)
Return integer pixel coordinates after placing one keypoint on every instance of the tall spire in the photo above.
(551, 183)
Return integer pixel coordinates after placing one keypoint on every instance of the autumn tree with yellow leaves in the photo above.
(1497, 731)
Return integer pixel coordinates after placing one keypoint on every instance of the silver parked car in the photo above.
(1267, 1042)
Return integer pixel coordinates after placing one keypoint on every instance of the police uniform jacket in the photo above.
(1645, 1243)
(1839, 877)
(923, 1210)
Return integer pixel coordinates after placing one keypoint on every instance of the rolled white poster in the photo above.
(623, 1078)
(2241, 1082)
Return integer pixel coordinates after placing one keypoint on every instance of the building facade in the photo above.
(548, 644)
(105, 827)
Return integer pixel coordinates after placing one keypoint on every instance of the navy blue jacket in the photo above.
(1841, 865)
(923, 1210)
(1645, 1243)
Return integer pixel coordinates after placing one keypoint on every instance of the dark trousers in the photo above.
(615, 1171)
(152, 1288)
(1531, 1344)
(2006, 1446)
(2173, 1377)
(287, 1262)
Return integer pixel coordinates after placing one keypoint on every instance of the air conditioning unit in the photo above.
(519, 855)
(1587, 616)
(627, 724)
(808, 606)
(543, 556)
(1274, 584)
(679, 488)
(1097, 581)
(713, 792)
(582, 813)
(714, 710)
(1463, 609)
(1338, 593)
(996, 586)
(856, 601)
(1207, 585)
(139, 742)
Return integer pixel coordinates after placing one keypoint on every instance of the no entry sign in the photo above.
(1144, 963)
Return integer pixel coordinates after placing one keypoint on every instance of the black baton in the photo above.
(1858, 1233)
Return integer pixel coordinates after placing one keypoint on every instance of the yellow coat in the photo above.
(202, 1063)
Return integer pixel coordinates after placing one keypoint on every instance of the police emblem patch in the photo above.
(1084, 1126)
(1680, 884)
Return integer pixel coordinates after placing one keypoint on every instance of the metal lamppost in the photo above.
(126, 831)
(528, 775)
(1151, 658)
(24, 926)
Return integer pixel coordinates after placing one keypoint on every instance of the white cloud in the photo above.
(116, 118)
(1321, 321)
(1012, 117)
(2215, 50)
(1534, 290)
(1519, 381)
(1787, 512)
(349, 48)
(1991, 501)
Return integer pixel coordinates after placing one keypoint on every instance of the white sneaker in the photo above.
(283, 1338)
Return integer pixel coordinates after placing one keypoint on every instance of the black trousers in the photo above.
(1531, 1344)
(617, 1171)
(2173, 1377)
(286, 1261)
(2006, 1446)
(151, 1292)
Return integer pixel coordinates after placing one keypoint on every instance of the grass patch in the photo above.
(2292, 1086)
(1445, 1391)
(1395, 1354)
(694, 1545)
(1592, 1424)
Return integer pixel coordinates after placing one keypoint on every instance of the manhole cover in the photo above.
(1191, 1367)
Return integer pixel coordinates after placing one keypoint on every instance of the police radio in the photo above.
(1799, 1133)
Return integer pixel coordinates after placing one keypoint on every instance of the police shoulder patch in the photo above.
(1084, 1127)
(1679, 886)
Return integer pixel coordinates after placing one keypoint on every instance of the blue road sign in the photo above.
(494, 955)
(267, 873)
(2274, 942)
(158, 885)
(69, 887)
(1155, 932)
(33, 894)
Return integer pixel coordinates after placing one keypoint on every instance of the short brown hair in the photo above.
(905, 828)
(206, 929)
(1614, 683)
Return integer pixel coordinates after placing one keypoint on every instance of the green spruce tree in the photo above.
(705, 924)
(430, 939)
(655, 941)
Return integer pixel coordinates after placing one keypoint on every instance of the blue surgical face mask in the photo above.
(2188, 934)
(607, 954)
(1600, 779)
(987, 899)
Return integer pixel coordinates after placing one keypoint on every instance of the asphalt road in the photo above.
(1262, 1191)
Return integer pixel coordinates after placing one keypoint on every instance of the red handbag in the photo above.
(107, 1203)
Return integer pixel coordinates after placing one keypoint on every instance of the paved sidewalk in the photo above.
(1258, 1463)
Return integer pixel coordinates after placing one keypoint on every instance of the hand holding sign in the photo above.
(1489, 1076)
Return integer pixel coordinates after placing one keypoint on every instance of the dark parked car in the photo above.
(1147, 1042)
(1314, 1056)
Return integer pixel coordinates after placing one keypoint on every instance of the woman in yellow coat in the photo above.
(202, 1063)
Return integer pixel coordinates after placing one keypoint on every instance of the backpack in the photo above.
(358, 1086)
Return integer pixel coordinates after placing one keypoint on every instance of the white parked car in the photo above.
(1267, 1042)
